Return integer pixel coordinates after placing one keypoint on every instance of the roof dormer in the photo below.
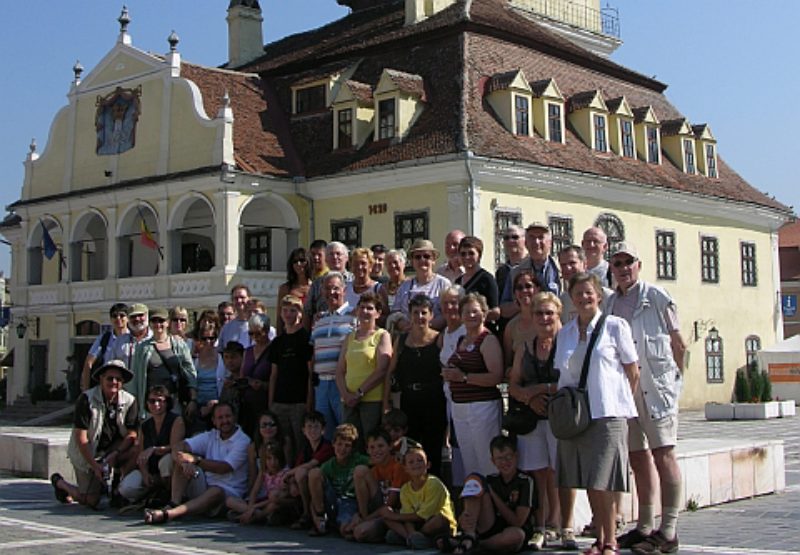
(621, 128)
(706, 149)
(400, 99)
(510, 97)
(419, 10)
(588, 115)
(353, 114)
(647, 129)
(313, 95)
(548, 110)
(677, 141)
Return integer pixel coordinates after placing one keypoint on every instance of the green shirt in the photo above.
(340, 476)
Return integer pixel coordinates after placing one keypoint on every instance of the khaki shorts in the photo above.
(88, 483)
(647, 433)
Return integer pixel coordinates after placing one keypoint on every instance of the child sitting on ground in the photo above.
(315, 451)
(425, 508)
(377, 488)
(269, 490)
(497, 508)
(333, 495)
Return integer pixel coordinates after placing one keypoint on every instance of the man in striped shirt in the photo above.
(329, 331)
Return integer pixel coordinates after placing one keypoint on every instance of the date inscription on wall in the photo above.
(377, 209)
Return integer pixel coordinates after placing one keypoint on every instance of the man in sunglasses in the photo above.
(101, 350)
(514, 248)
(652, 436)
(103, 436)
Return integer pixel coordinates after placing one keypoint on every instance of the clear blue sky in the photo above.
(729, 63)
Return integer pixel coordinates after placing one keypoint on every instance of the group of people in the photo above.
(344, 416)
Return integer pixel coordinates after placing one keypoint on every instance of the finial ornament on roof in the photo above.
(32, 146)
(77, 69)
(124, 19)
(173, 39)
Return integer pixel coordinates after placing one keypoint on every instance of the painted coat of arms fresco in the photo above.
(117, 115)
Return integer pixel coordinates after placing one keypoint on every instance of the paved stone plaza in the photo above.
(31, 521)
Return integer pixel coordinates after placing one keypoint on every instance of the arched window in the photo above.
(614, 230)
(752, 344)
(714, 370)
(87, 328)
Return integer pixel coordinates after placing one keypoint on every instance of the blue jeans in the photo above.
(329, 403)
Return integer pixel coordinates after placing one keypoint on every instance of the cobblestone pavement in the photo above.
(31, 521)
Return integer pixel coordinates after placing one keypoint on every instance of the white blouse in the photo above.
(609, 390)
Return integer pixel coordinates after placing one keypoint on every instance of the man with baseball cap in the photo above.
(652, 436)
(138, 331)
(103, 435)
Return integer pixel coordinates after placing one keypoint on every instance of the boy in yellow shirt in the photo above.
(425, 507)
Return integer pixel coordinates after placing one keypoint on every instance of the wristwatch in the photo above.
(360, 392)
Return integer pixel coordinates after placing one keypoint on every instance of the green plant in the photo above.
(741, 388)
(692, 504)
(756, 379)
(766, 392)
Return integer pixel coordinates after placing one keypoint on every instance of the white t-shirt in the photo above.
(233, 451)
(609, 390)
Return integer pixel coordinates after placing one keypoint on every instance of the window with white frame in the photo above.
(502, 220)
(600, 136)
(665, 254)
(653, 148)
(688, 153)
(345, 123)
(709, 259)
(628, 144)
(749, 275)
(386, 118)
(714, 369)
(554, 122)
(752, 344)
(711, 161)
(522, 114)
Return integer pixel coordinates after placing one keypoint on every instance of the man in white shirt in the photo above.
(207, 468)
(237, 329)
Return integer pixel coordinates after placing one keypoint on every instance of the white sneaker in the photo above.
(537, 540)
(568, 542)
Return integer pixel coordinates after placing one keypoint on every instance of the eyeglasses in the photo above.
(268, 425)
(156, 401)
(210, 339)
(623, 263)
(184, 320)
(423, 256)
(157, 321)
(137, 316)
(302, 261)
(511, 237)
(544, 313)
(119, 315)
(110, 379)
(523, 286)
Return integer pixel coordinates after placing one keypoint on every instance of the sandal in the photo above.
(61, 495)
(594, 549)
(156, 516)
(466, 544)
(319, 526)
(610, 548)
(445, 543)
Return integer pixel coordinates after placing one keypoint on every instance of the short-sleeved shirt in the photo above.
(327, 336)
(125, 345)
(233, 451)
(110, 431)
(321, 454)
(97, 346)
(519, 492)
(235, 330)
(625, 305)
(430, 500)
(290, 353)
(340, 476)
(390, 476)
(411, 288)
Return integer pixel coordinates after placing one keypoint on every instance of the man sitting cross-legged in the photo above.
(207, 467)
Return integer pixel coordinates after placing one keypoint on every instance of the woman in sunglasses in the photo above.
(210, 370)
(298, 280)
(425, 281)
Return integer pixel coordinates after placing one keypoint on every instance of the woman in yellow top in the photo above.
(362, 367)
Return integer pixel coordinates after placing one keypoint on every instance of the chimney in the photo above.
(245, 36)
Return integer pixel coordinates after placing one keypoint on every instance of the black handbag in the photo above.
(568, 411)
(520, 418)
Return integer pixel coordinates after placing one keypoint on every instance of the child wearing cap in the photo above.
(497, 508)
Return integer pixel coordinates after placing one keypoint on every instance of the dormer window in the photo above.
(646, 134)
(555, 123)
(522, 114)
(677, 140)
(600, 142)
(688, 152)
(548, 110)
(509, 95)
(353, 112)
(310, 99)
(589, 116)
(400, 99)
(620, 127)
(386, 118)
(706, 150)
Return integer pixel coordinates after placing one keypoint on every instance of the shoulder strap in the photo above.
(104, 341)
(589, 349)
